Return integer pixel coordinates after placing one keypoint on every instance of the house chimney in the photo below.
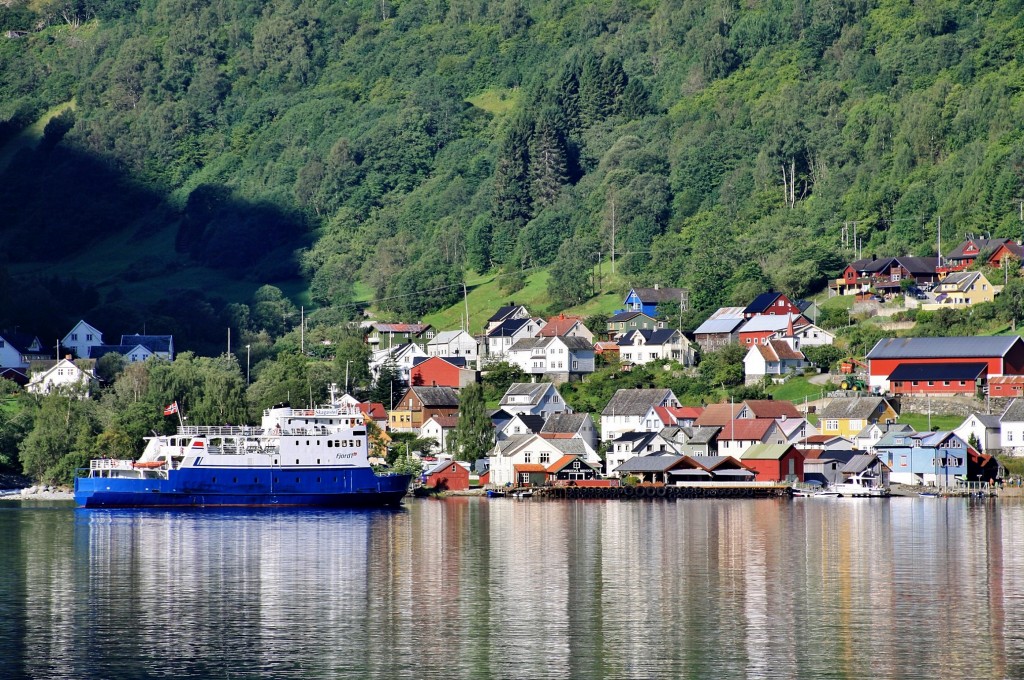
(68, 357)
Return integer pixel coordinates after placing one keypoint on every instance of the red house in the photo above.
(449, 475)
(770, 304)
(441, 372)
(775, 462)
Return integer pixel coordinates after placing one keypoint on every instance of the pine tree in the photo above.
(386, 385)
(592, 101)
(613, 85)
(548, 173)
(511, 209)
(474, 433)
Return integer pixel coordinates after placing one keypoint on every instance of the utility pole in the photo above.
(613, 237)
(938, 249)
(465, 302)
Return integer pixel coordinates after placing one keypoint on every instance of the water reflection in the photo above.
(476, 588)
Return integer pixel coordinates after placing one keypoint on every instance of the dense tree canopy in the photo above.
(389, 147)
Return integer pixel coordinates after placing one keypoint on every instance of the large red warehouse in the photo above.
(930, 359)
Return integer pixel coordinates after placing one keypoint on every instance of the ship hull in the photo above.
(246, 487)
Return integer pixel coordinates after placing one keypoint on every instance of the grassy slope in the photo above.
(30, 136)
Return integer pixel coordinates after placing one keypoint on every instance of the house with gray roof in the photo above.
(557, 358)
(985, 428)
(570, 425)
(533, 399)
(161, 346)
(454, 344)
(632, 410)
(501, 337)
(664, 344)
(720, 329)
(630, 444)
(692, 440)
(1011, 428)
(524, 458)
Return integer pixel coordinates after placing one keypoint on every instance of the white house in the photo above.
(571, 425)
(984, 427)
(515, 458)
(1011, 428)
(632, 410)
(739, 435)
(631, 444)
(567, 326)
(775, 359)
(133, 353)
(82, 337)
(509, 311)
(642, 346)
(403, 357)
(438, 428)
(533, 399)
(557, 356)
(810, 335)
(160, 345)
(64, 375)
(501, 338)
(17, 350)
(454, 344)
(521, 423)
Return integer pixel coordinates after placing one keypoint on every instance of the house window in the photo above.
(527, 457)
(831, 424)
(545, 458)
(74, 336)
(88, 336)
(903, 461)
(524, 477)
(945, 383)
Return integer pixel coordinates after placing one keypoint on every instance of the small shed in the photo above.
(775, 462)
(448, 475)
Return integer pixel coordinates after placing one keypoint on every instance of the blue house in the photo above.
(646, 300)
(933, 458)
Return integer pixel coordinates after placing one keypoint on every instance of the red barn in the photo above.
(449, 475)
(441, 372)
(775, 462)
(1001, 355)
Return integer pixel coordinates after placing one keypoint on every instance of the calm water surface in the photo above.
(477, 588)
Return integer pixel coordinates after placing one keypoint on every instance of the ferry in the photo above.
(296, 457)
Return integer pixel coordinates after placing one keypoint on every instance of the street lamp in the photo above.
(247, 355)
(346, 374)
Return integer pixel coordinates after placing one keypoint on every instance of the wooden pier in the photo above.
(664, 493)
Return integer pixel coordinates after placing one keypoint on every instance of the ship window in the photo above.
(330, 443)
(317, 480)
(234, 480)
(214, 480)
(275, 480)
(317, 461)
(296, 461)
(255, 480)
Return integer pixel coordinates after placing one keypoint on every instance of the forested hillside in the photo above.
(392, 146)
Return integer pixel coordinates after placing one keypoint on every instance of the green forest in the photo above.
(221, 164)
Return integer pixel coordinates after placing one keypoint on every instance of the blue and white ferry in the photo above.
(296, 457)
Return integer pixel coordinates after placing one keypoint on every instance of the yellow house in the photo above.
(962, 289)
(847, 416)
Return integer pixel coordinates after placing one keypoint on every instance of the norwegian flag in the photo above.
(171, 410)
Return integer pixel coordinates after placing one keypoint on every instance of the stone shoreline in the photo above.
(37, 493)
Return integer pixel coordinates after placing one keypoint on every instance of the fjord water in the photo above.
(477, 588)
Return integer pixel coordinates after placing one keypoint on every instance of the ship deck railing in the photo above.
(219, 430)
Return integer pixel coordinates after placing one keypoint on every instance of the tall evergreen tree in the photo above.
(592, 98)
(474, 433)
(387, 384)
(548, 167)
(511, 208)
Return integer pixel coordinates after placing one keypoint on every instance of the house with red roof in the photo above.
(739, 435)
(439, 428)
(566, 326)
(571, 468)
(768, 408)
(775, 359)
(374, 412)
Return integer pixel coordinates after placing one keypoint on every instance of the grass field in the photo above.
(495, 101)
(797, 389)
(939, 421)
